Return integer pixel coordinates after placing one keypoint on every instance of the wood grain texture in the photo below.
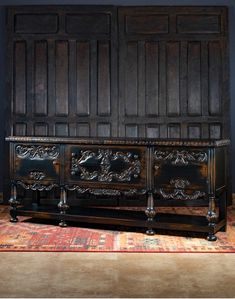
(214, 78)
(104, 79)
(36, 23)
(180, 71)
(169, 68)
(194, 79)
(40, 129)
(62, 97)
(41, 79)
(131, 101)
(19, 87)
(152, 78)
(163, 170)
(144, 72)
(83, 78)
(172, 73)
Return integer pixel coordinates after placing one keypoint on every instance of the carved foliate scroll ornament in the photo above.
(179, 191)
(36, 186)
(37, 152)
(181, 194)
(109, 192)
(180, 157)
(180, 183)
(105, 158)
(132, 192)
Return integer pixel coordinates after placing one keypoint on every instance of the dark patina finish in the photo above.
(184, 170)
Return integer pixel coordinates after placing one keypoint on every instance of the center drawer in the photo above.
(106, 166)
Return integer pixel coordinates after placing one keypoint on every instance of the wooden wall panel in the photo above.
(105, 71)
(146, 24)
(172, 74)
(19, 84)
(20, 129)
(152, 131)
(35, 23)
(87, 23)
(104, 79)
(41, 79)
(174, 131)
(175, 87)
(215, 72)
(61, 129)
(61, 80)
(194, 79)
(64, 66)
(172, 77)
(83, 129)
(152, 78)
(41, 129)
(83, 78)
(194, 131)
(131, 78)
(131, 130)
(103, 130)
(215, 130)
(199, 23)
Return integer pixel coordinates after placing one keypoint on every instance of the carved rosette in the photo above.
(37, 175)
(180, 183)
(37, 152)
(104, 159)
(180, 157)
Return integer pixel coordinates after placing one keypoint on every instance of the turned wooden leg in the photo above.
(13, 203)
(212, 218)
(62, 205)
(150, 213)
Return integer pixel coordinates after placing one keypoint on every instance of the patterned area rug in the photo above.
(34, 236)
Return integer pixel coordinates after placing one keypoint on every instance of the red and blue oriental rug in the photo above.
(40, 236)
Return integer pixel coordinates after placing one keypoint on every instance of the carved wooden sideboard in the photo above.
(184, 170)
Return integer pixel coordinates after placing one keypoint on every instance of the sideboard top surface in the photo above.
(123, 141)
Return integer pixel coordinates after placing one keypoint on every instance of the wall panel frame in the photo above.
(107, 71)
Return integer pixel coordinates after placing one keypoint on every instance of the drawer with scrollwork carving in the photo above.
(106, 166)
(180, 173)
(155, 171)
(35, 164)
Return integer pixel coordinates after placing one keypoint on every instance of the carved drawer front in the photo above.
(106, 166)
(37, 163)
(180, 173)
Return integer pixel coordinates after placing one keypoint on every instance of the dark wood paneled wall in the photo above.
(63, 71)
(128, 71)
(173, 72)
(84, 71)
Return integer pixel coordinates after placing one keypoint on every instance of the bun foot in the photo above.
(14, 220)
(211, 237)
(62, 223)
(150, 232)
